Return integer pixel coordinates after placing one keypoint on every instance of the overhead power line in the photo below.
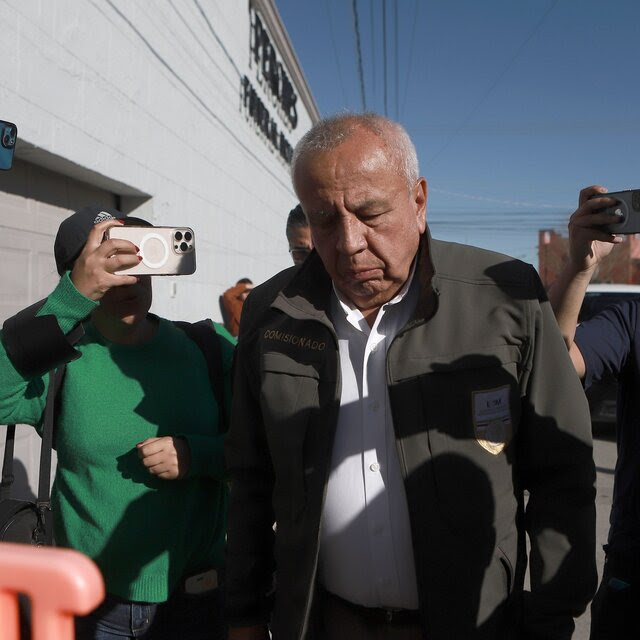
(410, 65)
(495, 83)
(395, 55)
(384, 51)
(335, 52)
(354, 6)
(373, 50)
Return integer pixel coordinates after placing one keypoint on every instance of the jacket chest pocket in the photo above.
(472, 412)
(288, 397)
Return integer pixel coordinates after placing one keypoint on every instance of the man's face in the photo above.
(300, 244)
(365, 224)
(129, 304)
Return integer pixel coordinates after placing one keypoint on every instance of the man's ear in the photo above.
(419, 197)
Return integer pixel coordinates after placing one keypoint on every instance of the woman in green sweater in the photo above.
(139, 485)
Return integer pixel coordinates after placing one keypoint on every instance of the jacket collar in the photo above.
(307, 295)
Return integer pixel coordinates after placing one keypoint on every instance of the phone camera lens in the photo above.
(184, 246)
(9, 137)
(187, 236)
(178, 235)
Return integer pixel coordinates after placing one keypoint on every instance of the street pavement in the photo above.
(604, 453)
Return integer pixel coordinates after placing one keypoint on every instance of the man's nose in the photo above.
(351, 235)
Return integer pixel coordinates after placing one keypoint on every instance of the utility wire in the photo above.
(410, 65)
(199, 100)
(495, 83)
(373, 51)
(217, 38)
(397, 73)
(335, 53)
(354, 6)
(384, 51)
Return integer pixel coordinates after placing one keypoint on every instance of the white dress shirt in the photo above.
(366, 554)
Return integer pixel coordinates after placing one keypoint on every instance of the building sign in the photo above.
(257, 111)
(272, 77)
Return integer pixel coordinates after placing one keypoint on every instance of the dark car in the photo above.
(602, 395)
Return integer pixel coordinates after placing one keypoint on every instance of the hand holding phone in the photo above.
(8, 137)
(626, 209)
(165, 251)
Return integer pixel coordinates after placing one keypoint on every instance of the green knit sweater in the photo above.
(144, 533)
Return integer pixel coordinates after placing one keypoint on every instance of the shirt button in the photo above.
(375, 467)
(375, 406)
(374, 348)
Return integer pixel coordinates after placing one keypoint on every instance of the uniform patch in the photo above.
(298, 341)
(492, 419)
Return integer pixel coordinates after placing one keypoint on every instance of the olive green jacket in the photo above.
(493, 437)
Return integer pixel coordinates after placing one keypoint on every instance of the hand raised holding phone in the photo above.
(93, 272)
(163, 251)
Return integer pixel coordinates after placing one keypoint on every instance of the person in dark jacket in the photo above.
(394, 399)
(608, 343)
(298, 235)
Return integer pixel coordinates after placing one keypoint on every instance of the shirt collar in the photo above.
(354, 316)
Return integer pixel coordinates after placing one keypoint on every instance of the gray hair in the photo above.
(329, 133)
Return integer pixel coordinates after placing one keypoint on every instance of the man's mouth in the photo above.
(360, 275)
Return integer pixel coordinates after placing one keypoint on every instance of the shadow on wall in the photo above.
(20, 489)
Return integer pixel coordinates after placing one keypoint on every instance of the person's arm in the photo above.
(233, 300)
(23, 396)
(588, 245)
(189, 454)
(250, 536)
(555, 463)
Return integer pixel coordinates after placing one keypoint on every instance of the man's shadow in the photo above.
(477, 500)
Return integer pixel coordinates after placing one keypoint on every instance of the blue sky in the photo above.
(513, 105)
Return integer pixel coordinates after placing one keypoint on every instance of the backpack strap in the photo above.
(203, 333)
(44, 534)
(7, 463)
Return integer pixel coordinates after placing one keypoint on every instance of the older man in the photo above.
(394, 399)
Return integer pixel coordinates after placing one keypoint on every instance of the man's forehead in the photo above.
(351, 168)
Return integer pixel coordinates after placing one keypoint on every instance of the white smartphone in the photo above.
(165, 251)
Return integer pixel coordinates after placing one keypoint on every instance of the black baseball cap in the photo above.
(73, 232)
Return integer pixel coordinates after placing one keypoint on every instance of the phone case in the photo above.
(8, 136)
(165, 251)
(627, 209)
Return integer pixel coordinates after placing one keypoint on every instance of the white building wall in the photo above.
(139, 102)
(142, 97)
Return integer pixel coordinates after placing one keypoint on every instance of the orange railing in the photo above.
(60, 583)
